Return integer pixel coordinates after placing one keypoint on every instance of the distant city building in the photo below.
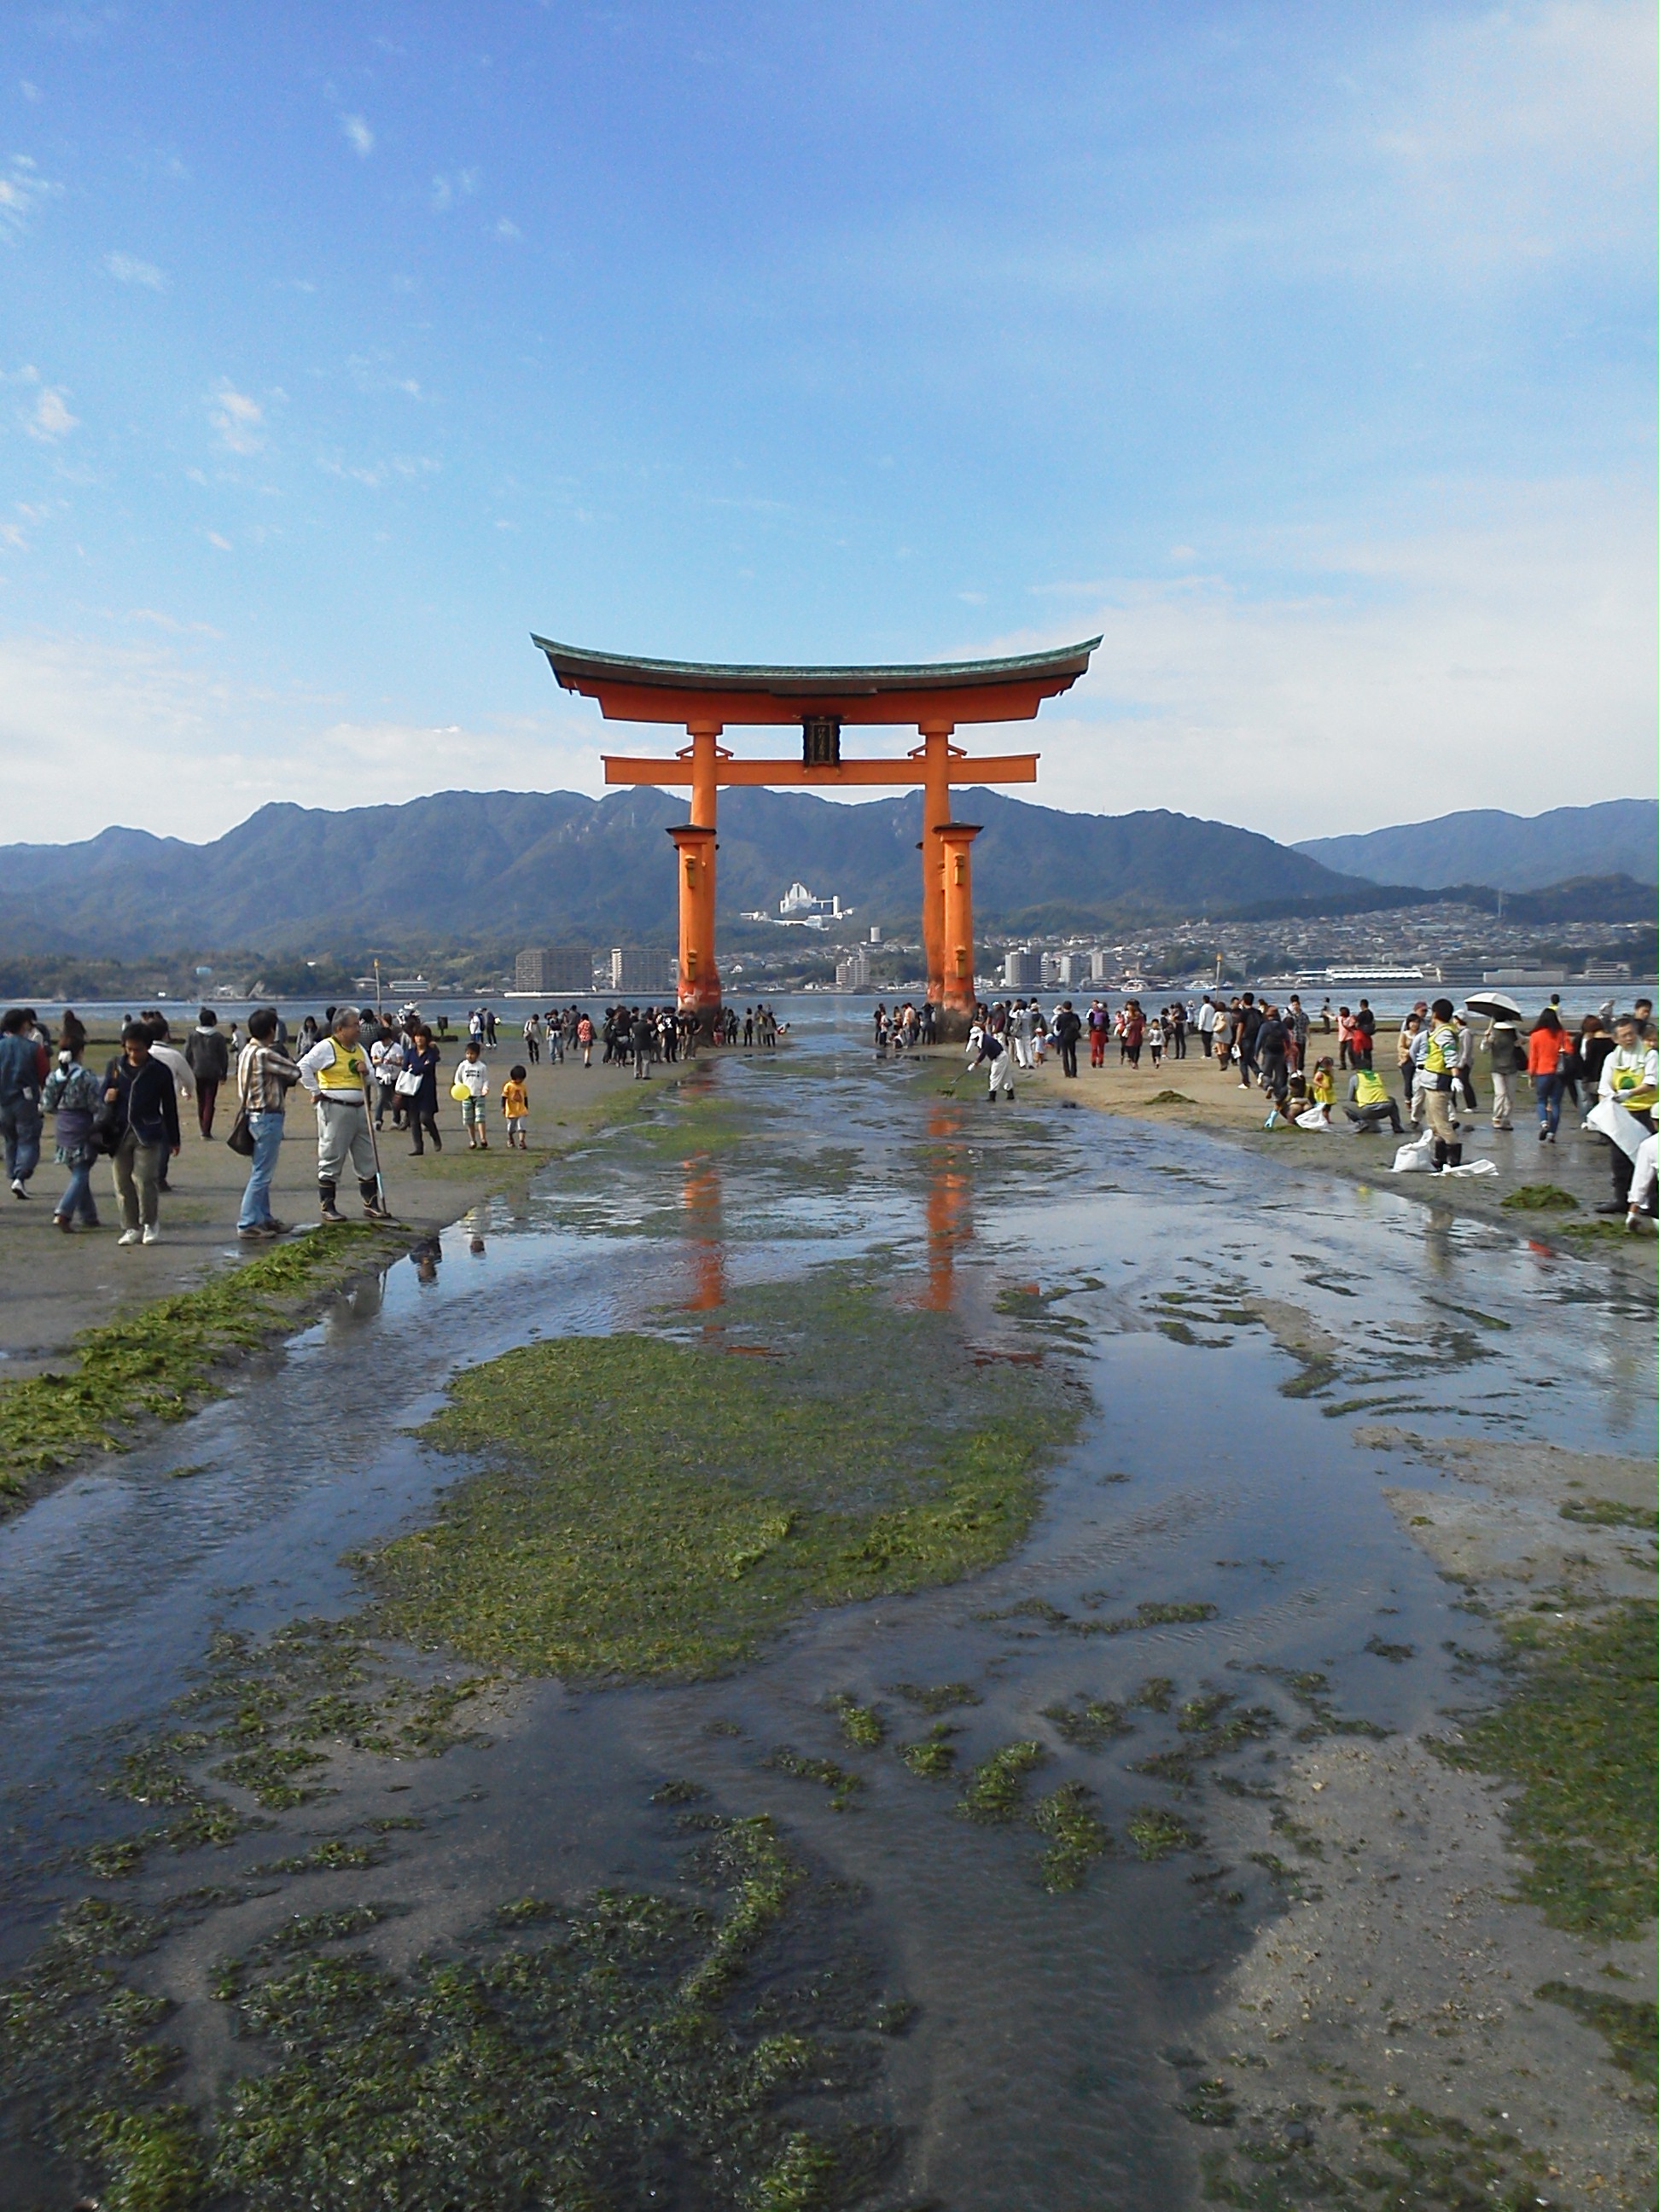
(1051, 967)
(643, 971)
(1100, 968)
(555, 971)
(875, 933)
(1022, 971)
(801, 905)
(1073, 969)
(853, 974)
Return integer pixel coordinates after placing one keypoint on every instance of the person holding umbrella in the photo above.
(1504, 1047)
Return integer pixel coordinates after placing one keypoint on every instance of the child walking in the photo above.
(470, 1088)
(516, 1104)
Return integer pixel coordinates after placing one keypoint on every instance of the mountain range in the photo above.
(476, 867)
(1507, 851)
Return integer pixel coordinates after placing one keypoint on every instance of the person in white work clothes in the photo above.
(335, 1072)
(986, 1049)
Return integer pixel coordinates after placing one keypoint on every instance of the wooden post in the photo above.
(935, 813)
(699, 979)
(956, 837)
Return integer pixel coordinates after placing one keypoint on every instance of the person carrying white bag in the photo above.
(1624, 1111)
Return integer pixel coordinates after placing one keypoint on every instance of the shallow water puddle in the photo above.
(1030, 1479)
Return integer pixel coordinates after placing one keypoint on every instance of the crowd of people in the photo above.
(1606, 1068)
(362, 1071)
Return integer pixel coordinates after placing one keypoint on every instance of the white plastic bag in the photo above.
(1316, 1117)
(1418, 1153)
(1610, 1120)
(1471, 1168)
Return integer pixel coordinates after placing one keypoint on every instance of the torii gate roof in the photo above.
(629, 689)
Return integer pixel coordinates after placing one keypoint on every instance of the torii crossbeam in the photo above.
(935, 698)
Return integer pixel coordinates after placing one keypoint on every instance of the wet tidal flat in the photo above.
(849, 1647)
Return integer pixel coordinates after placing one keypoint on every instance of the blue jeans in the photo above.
(77, 1196)
(1549, 1089)
(267, 1130)
(20, 1124)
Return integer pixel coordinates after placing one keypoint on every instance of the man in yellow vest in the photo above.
(1630, 1079)
(1369, 1104)
(335, 1072)
(1442, 1052)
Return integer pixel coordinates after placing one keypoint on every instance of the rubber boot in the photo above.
(1454, 1158)
(326, 1193)
(369, 1190)
(1439, 1154)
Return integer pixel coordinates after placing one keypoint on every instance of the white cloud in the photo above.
(223, 543)
(50, 419)
(237, 419)
(359, 137)
(22, 189)
(506, 228)
(168, 741)
(1500, 655)
(458, 183)
(126, 269)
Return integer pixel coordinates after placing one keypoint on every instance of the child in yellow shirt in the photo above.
(516, 1104)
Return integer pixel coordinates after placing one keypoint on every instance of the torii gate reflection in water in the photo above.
(934, 698)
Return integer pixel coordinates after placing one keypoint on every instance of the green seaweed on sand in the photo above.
(1539, 1198)
(619, 2049)
(1151, 1613)
(1089, 1723)
(1368, 2160)
(843, 1787)
(994, 1791)
(1170, 1098)
(1211, 1726)
(1630, 2030)
(862, 1726)
(1576, 1734)
(936, 1697)
(165, 1360)
(1157, 1834)
(1077, 1835)
(599, 1539)
(1607, 1513)
(933, 1756)
(1154, 1693)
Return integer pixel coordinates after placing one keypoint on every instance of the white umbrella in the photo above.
(1496, 1006)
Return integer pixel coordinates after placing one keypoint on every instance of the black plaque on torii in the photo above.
(820, 740)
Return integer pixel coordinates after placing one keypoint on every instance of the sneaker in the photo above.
(128, 1237)
(18, 1188)
(152, 1233)
(257, 1232)
(62, 1221)
(274, 1228)
(1613, 1206)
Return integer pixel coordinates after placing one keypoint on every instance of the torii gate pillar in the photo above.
(958, 993)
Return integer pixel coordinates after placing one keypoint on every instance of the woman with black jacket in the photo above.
(141, 1120)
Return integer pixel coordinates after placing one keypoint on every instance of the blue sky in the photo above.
(1307, 352)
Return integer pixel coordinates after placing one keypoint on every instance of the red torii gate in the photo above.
(934, 697)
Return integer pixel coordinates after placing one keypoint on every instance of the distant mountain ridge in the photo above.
(475, 866)
(1507, 851)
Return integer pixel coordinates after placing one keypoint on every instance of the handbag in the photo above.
(409, 1081)
(238, 1137)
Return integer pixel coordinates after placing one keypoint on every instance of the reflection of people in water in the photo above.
(425, 1255)
(475, 1226)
